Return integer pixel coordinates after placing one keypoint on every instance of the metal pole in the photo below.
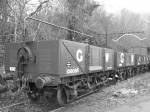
(15, 29)
(106, 40)
(60, 27)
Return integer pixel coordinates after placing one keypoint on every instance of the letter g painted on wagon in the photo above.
(79, 55)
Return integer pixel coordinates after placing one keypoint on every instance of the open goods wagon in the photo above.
(67, 69)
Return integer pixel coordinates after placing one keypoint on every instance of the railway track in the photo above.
(74, 101)
(54, 110)
(80, 98)
(12, 105)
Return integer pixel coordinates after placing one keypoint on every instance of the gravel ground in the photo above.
(102, 101)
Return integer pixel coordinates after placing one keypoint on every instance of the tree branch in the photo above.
(10, 7)
(38, 9)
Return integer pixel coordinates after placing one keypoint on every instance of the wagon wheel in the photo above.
(62, 96)
(133, 72)
(124, 76)
(121, 76)
(51, 99)
(130, 73)
(34, 94)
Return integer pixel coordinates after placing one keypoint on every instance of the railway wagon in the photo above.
(109, 65)
(130, 59)
(59, 66)
(148, 62)
(48, 63)
(120, 65)
(11, 56)
(49, 57)
(65, 69)
(96, 55)
(145, 63)
(130, 64)
(120, 59)
(109, 59)
(139, 59)
(139, 63)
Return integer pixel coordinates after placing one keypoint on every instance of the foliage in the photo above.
(85, 16)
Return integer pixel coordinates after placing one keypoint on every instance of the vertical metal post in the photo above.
(24, 38)
(106, 40)
(15, 29)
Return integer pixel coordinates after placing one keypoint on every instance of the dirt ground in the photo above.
(131, 95)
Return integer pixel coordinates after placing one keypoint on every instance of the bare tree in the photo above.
(79, 12)
(4, 18)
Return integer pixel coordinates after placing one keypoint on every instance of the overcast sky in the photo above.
(138, 6)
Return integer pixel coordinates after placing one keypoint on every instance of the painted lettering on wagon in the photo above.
(132, 58)
(73, 70)
(107, 57)
(79, 55)
(122, 57)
